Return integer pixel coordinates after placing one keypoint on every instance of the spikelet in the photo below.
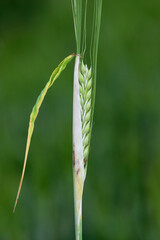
(85, 91)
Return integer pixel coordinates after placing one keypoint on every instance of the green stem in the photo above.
(78, 191)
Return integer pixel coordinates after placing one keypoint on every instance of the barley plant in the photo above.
(83, 98)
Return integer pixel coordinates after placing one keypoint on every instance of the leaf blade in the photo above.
(35, 110)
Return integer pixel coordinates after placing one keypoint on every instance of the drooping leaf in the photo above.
(35, 112)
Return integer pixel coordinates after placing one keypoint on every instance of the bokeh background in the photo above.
(122, 191)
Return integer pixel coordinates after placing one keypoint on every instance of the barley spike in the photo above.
(85, 91)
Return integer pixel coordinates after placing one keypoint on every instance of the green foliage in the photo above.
(94, 47)
(77, 16)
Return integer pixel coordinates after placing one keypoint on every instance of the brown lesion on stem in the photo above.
(73, 54)
(85, 161)
(78, 171)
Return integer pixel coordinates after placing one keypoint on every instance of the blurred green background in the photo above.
(122, 190)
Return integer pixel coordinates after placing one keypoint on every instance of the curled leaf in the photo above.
(35, 111)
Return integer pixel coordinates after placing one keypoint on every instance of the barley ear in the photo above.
(83, 100)
(85, 85)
